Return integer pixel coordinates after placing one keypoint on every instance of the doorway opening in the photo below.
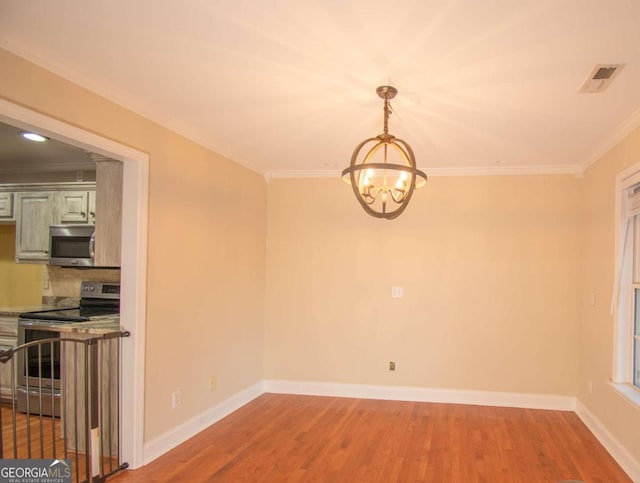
(134, 259)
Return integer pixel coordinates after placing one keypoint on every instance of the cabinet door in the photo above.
(5, 369)
(92, 207)
(33, 217)
(6, 206)
(72, 206)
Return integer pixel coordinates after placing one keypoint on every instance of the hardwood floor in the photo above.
(38, 442)
(278, 438)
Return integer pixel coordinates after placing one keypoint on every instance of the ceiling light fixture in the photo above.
(31, 136)
(384, 176)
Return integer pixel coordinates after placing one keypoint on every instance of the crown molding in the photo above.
(618, 134)
(570, 169)
(165, 120)
(58, 167)
(123, 99)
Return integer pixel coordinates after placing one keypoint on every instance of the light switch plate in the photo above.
(397, 292)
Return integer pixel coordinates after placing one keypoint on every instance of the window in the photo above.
(626, 296)
(634, 289)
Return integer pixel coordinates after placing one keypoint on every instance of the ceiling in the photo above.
(19, 156)
(287, 87)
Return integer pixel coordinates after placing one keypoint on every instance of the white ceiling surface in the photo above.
(288, 87)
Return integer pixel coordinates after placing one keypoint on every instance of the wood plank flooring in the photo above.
(278, 438)
(35, 437)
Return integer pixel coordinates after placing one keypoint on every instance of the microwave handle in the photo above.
(92, 246)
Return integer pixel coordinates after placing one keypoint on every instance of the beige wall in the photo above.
(597, 276)
(20, 284)
(497, 274)
(488, 265)
(206, 242)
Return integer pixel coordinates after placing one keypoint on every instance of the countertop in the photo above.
(18, 309)
(98, 326)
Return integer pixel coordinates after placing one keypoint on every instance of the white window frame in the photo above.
(622, 303)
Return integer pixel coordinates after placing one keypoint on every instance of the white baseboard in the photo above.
(169, 440)
(610, 443)
(421, 394)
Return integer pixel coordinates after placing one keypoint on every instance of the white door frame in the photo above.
(133, 275)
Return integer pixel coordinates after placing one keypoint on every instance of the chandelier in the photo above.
(383, 171)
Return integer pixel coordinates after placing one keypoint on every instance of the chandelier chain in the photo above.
(388, 110)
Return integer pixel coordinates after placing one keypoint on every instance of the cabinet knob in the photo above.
(82, 213)
(92, 213)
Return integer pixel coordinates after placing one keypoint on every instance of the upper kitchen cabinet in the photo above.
(73, 206)
(34, 214)
(92, 207)
(108, 212)
(6, 207)
(38, 205)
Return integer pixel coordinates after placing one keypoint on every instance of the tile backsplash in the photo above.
(64, 283)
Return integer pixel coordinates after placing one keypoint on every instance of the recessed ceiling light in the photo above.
(31, 136)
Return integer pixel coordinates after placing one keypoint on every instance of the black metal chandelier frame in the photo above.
(357, 174)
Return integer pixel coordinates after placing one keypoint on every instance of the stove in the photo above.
(39, 371)
(97, 300)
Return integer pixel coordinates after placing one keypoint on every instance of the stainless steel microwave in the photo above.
(71, 245)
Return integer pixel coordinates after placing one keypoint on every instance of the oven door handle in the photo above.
(92, 246)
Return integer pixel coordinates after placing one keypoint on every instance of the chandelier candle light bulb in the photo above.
(384, 186)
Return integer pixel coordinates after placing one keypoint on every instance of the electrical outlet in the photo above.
(213, 383)
(392, 366)
(175, 399)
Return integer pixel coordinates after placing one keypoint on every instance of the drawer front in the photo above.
(8, 326)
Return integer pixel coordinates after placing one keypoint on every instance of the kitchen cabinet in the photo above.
(35, 209)
(92, 207)
(108, 218)
(8, 340)
(73, 206)
(34, 214)
(6, 207)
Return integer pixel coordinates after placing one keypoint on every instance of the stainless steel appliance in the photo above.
(71, 245)
(39, 371)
